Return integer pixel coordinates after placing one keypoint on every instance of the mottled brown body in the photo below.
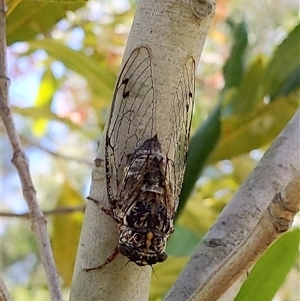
(145, 222)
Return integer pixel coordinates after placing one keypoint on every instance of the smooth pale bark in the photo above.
(262, 209)
(173, 30)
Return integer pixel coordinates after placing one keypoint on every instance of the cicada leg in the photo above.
(108, 260)
(105, 210)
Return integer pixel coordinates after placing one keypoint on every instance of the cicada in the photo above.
(143, 179)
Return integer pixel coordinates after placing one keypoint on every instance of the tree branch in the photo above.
(173, 32)
(55, 154)
(20, 161)
(57, 211)
(262, 209)
(4, 294)
(280, 213)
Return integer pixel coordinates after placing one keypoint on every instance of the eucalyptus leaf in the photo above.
(46, 91)
(201, 146)
(284, 62)
(234, 68)
(100, 79)
(243, 133)
(45, 113)
(66, 232)
(270, 271)
(30, 18)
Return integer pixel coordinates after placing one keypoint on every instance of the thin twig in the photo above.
(57, 211)
(38, 222)
(4, 294)
(55, 154)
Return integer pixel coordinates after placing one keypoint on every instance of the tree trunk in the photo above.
(170, 35)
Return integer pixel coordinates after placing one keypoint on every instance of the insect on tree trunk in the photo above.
(140, 163)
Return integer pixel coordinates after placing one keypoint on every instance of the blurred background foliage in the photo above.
(63, 60)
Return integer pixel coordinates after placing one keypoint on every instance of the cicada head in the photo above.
(143, 246)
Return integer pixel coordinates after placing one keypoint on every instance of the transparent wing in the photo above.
(129, 124)
(183, 110)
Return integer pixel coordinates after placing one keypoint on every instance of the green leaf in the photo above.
(39, 127)
(247, 122)
(100, 79)
(233, 69)
(30, 18)
(201, 146)
(292, 83)
(244, 98)
(47, 88)
(165, 275)
(182, 242)
(66, 232)
(243, 133)
(45, 113)
(270, 271)
(284, 62)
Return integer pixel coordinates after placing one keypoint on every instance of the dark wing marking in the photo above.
(129, 125)
(183, 110)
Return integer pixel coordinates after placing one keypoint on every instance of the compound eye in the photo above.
(159, 240)
(125, 250)
(162, 257)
